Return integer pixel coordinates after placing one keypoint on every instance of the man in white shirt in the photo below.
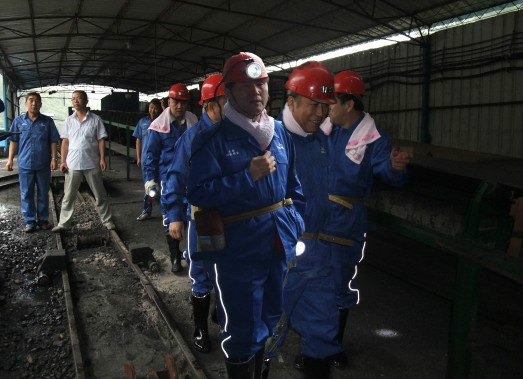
(83, 155)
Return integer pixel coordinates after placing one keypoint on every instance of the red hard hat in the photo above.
(243, 67)
(349, 82)
(312, 80)
(179, 91)
(209, 87)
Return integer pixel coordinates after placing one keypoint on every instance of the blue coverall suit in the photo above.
(34, 159)
(309, 295)
(141, 133)
(159, 155)
(352, 180)
(176, 209)
(249, 271)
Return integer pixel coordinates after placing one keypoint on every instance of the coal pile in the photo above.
(34, 338)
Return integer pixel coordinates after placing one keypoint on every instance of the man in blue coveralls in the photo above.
(244, 170)
(159, 153)
(174, 201)
(309, 296)
(357, 150)
(142, 136)
(36, 147)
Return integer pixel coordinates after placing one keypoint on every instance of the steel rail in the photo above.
(71, 318)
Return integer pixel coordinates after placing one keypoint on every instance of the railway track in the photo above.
(8, 180)
(116, 332)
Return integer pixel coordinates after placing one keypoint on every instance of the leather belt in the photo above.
(328, 238)
(346, 201)
(257, 212)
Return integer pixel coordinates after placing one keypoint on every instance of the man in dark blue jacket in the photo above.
(174, 203)
(358, 151)
(36, 146)
(164, 131)
(242, 175)
(141, 133)
(309, 296)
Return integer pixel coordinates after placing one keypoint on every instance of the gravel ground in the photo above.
(34, 342)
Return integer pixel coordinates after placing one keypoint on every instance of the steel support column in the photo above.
(127, 143)
(4, 96)
(463, 319)
(465, 304)
(424, 132)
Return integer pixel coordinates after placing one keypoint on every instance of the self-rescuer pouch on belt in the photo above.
(209, 226)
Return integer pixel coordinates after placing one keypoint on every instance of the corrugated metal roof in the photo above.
(147, 46)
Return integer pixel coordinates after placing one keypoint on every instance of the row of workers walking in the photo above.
(273, 211)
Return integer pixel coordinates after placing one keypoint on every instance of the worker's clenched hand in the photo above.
(400, 159)
(177, 230)
(262, 166)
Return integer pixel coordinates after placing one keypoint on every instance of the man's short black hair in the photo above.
(156, 102)
(82, 93)
(344, 97)
(36, 94)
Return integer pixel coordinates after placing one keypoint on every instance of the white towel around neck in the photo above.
(365, 133)
(163, 122)
(262, 131)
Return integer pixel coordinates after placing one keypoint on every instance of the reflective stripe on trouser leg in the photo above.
(197, 269)
(147, 205)
(165, 223)
(345, 265)
(250, 297)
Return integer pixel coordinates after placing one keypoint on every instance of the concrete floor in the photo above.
(399, 329)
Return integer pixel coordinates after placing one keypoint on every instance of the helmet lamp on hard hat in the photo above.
(244, 67)
(254, 70)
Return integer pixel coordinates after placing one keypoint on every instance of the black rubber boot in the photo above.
(314, 368)
(241, 370)
(176, 254)
(340, 360)
(200, 305)
(214, 315)
(298, 362)
(261, 365)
